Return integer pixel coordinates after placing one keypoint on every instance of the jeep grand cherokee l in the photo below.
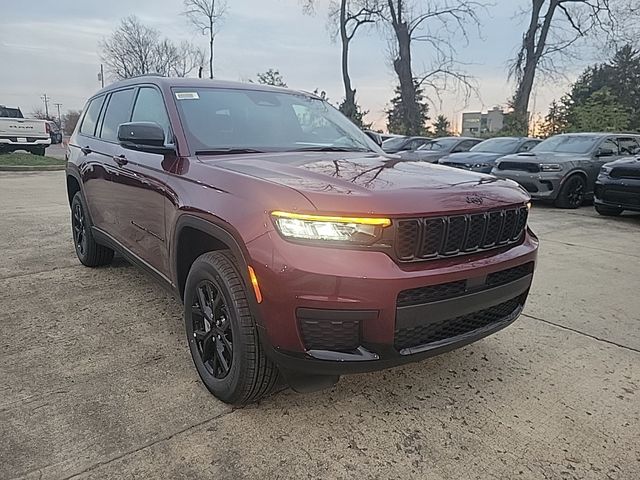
(296, 245)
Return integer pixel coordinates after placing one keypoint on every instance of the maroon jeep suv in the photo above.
(298, 247)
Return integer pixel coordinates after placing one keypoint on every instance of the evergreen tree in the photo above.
(354, 112)
(602, 112)
(408, 120)
(441, 127)
(556, 120)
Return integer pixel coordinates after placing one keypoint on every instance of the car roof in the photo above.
(169, 82)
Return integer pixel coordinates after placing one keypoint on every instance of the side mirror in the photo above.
(144, 136)
(375, 136)
(605, 152)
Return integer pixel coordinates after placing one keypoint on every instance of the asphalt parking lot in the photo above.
(96, 380)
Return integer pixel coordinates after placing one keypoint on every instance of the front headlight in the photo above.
(349, 230)
(605, 170)
(550, 167)
(481, 165)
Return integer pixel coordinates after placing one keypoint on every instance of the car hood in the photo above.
(374, 184)
(544, 157)
(471, 157)
(633, 162)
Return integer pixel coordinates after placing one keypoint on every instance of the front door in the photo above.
(137, 178)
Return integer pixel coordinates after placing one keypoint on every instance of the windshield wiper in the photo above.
(227, 151)
(328, 148)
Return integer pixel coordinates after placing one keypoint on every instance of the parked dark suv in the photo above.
(296, 245)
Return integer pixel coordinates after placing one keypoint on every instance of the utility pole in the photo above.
(101, 75)
(59, 118)
(46, 99)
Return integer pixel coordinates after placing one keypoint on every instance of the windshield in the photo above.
(567, 144)
(497, 145)
(442, 144)
(396, 142)
(232, 121)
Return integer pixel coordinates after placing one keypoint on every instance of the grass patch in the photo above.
(19, 158)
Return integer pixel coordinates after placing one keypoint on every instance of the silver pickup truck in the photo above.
(19, 133)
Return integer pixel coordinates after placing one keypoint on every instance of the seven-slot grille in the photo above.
(426, 238)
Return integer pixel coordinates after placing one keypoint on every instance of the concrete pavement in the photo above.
(97, 382)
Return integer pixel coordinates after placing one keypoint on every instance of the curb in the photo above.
(31, 168)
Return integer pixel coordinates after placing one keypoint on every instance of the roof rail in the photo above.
(146, 75)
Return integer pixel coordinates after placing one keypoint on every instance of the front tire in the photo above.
(222, 334)
(39, 151)
(608, 211)
(572, 192)
(89, 252)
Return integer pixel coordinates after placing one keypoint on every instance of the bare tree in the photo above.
(435, 23)
(205, 16)
(69, 121)
(130, 50)
(271, 77)
(135, 49)
(349, 16)
(553, 32)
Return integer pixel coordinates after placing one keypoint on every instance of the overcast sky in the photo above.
(54, 49)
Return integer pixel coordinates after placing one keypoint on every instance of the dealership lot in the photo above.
(97, 381)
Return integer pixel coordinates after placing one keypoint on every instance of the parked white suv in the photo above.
(19, 133)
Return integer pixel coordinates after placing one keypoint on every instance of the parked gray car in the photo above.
(564, 168)
(436, 149)
(483, 156)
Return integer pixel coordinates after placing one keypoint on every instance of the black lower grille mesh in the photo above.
(330, 335)
(432, 293)
(509, 275)
(434, 332)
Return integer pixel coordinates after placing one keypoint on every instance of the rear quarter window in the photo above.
(88, 126)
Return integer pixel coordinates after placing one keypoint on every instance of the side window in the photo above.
(526, 146)
(118, 111)
(465, 146)
(149, 107)
(609, 144)
(90, 119)
(628, 145)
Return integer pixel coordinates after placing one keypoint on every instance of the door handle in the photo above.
(120, 160)
(85, 150)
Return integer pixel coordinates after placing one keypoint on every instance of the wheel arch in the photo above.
(73, 185)
(194, 236)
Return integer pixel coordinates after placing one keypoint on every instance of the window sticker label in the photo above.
(187, 96)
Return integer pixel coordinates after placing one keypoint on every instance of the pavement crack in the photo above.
(148, 444)
(594, 337)
(37, 272)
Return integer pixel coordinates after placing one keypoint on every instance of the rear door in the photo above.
(92, 166)
(139, 180)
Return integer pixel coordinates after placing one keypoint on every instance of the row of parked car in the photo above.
(566, 169)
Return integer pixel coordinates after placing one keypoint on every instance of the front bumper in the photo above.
(320, 317)
(618, 192)
(540, 185)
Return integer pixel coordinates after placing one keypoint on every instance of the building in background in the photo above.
(478, 123)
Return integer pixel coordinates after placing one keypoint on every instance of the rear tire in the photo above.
(572, 192)
(222, 333)
(608, 211)
(90, 253)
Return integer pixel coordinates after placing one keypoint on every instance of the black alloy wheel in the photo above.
(79, 230)
(89, 252)
(212, 329)
(572, 193)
